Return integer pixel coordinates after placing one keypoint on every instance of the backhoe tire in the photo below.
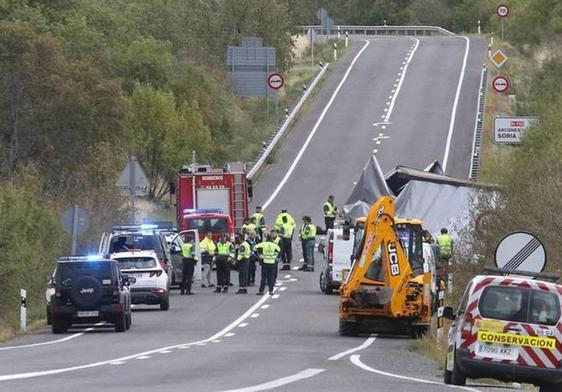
(349, 328)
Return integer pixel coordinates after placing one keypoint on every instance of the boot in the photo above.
(217, 290)
(303, 268)
(225, 289)
(241, 291)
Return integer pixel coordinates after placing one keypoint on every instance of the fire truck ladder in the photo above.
(238, 202)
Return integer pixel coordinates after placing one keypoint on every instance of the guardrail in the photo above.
(382, 30)
(283, 127)
(478, 124)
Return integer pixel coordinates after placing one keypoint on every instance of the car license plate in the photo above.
(91, 313)
(497, 351)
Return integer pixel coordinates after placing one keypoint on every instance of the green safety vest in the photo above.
(269, 251)
(308, 232)
(330, 210)
(279, 220)
(246, 228)
(286, 230)
(244, 251)
(276, 240)
(188, 251)
(257, 219)
(445, 243)
(224, 249)
(208, 246)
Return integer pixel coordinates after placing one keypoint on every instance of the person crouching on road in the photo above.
(268, 253)
(189, 259)
(208, 250)
(308, 238)
(243, 254)
(225, 251)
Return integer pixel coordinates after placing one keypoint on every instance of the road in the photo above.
(219, 342)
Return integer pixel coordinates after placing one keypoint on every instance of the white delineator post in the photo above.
(335, 51)
(346, 37)
(23, 310)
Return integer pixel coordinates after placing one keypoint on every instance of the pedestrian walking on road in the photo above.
(208, 249)
(252, 239)
(225, 252)
(258, 219)
(243, 254)
(286, 232)
(330, 212)
(189, 259)
(268, 254)
(308, 239)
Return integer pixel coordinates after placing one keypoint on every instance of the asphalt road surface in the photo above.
(290, 342)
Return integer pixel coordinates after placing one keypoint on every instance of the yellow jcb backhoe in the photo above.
(382, 293)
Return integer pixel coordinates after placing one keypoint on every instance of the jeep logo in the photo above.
(393, 257)
(87, 291)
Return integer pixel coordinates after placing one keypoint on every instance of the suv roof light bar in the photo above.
(82, 258)
(190, 211)
(537, 275)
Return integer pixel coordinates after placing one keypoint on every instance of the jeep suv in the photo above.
(89, 290)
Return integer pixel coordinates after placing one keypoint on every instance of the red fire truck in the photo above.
(212, 200)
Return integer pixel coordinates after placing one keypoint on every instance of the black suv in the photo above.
(89, 290)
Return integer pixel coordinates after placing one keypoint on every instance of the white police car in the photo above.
(152, 286)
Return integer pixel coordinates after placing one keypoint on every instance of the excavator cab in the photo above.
(388, 287)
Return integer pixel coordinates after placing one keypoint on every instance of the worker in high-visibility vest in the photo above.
(276, 239)
(258, 219)
(252, 239)
(208, 250)
(330, 212)
(308, 239)
(268, 251)
(445, 247)
(189, 259)
(243, 254)
(286, 232)
(279, 219)
(225, 253)
(247, 227)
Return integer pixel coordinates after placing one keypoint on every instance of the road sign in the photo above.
(75, 222)
(500, 84)
(311, 34)
(498, 58)
(275, 81)
(502, 10)
(133, 175)
(510, 130)
(521, 251)
(321, 13)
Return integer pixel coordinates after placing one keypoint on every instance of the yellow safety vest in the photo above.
(269, 251)
(244, 251)
(330, 210)
(279, 220)
(188, 251)
(308, 232)
(257, 218)
(445, 243)
(208, 246)
(286, 230)
(224, 249)
(246, 228)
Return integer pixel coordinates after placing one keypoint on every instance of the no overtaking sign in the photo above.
(275, 81)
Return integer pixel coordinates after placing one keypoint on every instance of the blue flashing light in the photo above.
(209, 210)
(93, 257)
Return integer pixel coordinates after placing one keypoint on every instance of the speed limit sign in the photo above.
(502, 10)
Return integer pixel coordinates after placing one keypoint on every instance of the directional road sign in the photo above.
(521, 251)
(133, 175)
(502, 10)
(275, 81)
(498, 58)
(500, 84)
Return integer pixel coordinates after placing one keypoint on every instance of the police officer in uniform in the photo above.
(208, 250)
(308, 239)
(248, 227)
(279, 219)
(189, 259)
(253, 241)
(225, 251)
(268, 254)
(330, 212)
(286, 231)
(258, 219)
(276, 239)
(243, 254)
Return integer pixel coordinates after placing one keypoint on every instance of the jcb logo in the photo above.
(393, 257)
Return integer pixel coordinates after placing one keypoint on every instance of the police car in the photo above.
(508, 327)
(152, 282)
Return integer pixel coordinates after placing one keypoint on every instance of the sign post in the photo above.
(23, 310)
(502, 11)
(75, 221)
(134, 183)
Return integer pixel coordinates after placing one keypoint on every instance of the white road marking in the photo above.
(363, 346)
(141, 357)
(242, 325)
(314, 129)
(184, 347)
(280, 381)
(275, 296)
(295, 268)
(230, 334)
(383, 127)
(164, 352)
(117, 363)
(375, 151)
(66, 339)
(265, 306)
(255, 315)
(455, 104)
(282, 288)
(217, 341)
(287, 276)
(401, 80)
(357, 362)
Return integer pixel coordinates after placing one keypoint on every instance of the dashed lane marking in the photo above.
(255, 315)
(280, 381)
(142, 357)
(265, 306)
(242, 325)
(230, 334)
(275, 296)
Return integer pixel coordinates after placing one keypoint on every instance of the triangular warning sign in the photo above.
(133, 175)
